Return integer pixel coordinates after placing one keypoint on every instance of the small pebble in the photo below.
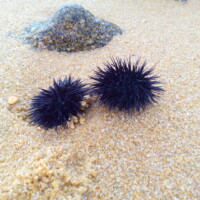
(71, 125)
(13, 100)
(82, 120)
(75, 120)
(83, 103)
(87, 98)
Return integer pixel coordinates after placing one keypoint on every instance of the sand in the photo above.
(152, 155)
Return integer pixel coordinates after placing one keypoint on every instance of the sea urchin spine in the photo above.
(125, 85)
(58, 104)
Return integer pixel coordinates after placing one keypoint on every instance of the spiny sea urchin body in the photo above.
(125, 85)
(56, 105)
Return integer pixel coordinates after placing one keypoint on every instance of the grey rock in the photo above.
(71, 29)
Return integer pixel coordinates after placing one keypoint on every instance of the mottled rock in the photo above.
(71, 28)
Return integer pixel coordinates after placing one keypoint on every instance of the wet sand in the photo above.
(152, 155)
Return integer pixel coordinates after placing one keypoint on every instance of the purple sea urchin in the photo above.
(56, 105)
(125, 85)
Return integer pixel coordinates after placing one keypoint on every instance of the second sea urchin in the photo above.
(56, 105)
(126, 85)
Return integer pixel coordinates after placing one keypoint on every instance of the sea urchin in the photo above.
(125, 85)
(56, 105)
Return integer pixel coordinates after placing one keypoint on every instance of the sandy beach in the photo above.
(112, 156)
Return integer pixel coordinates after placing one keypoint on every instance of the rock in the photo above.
(82, 120)
(75, 120)
(71, 29)
(13, 100)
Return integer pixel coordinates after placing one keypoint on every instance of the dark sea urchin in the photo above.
(56, 105)
(125, 85)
